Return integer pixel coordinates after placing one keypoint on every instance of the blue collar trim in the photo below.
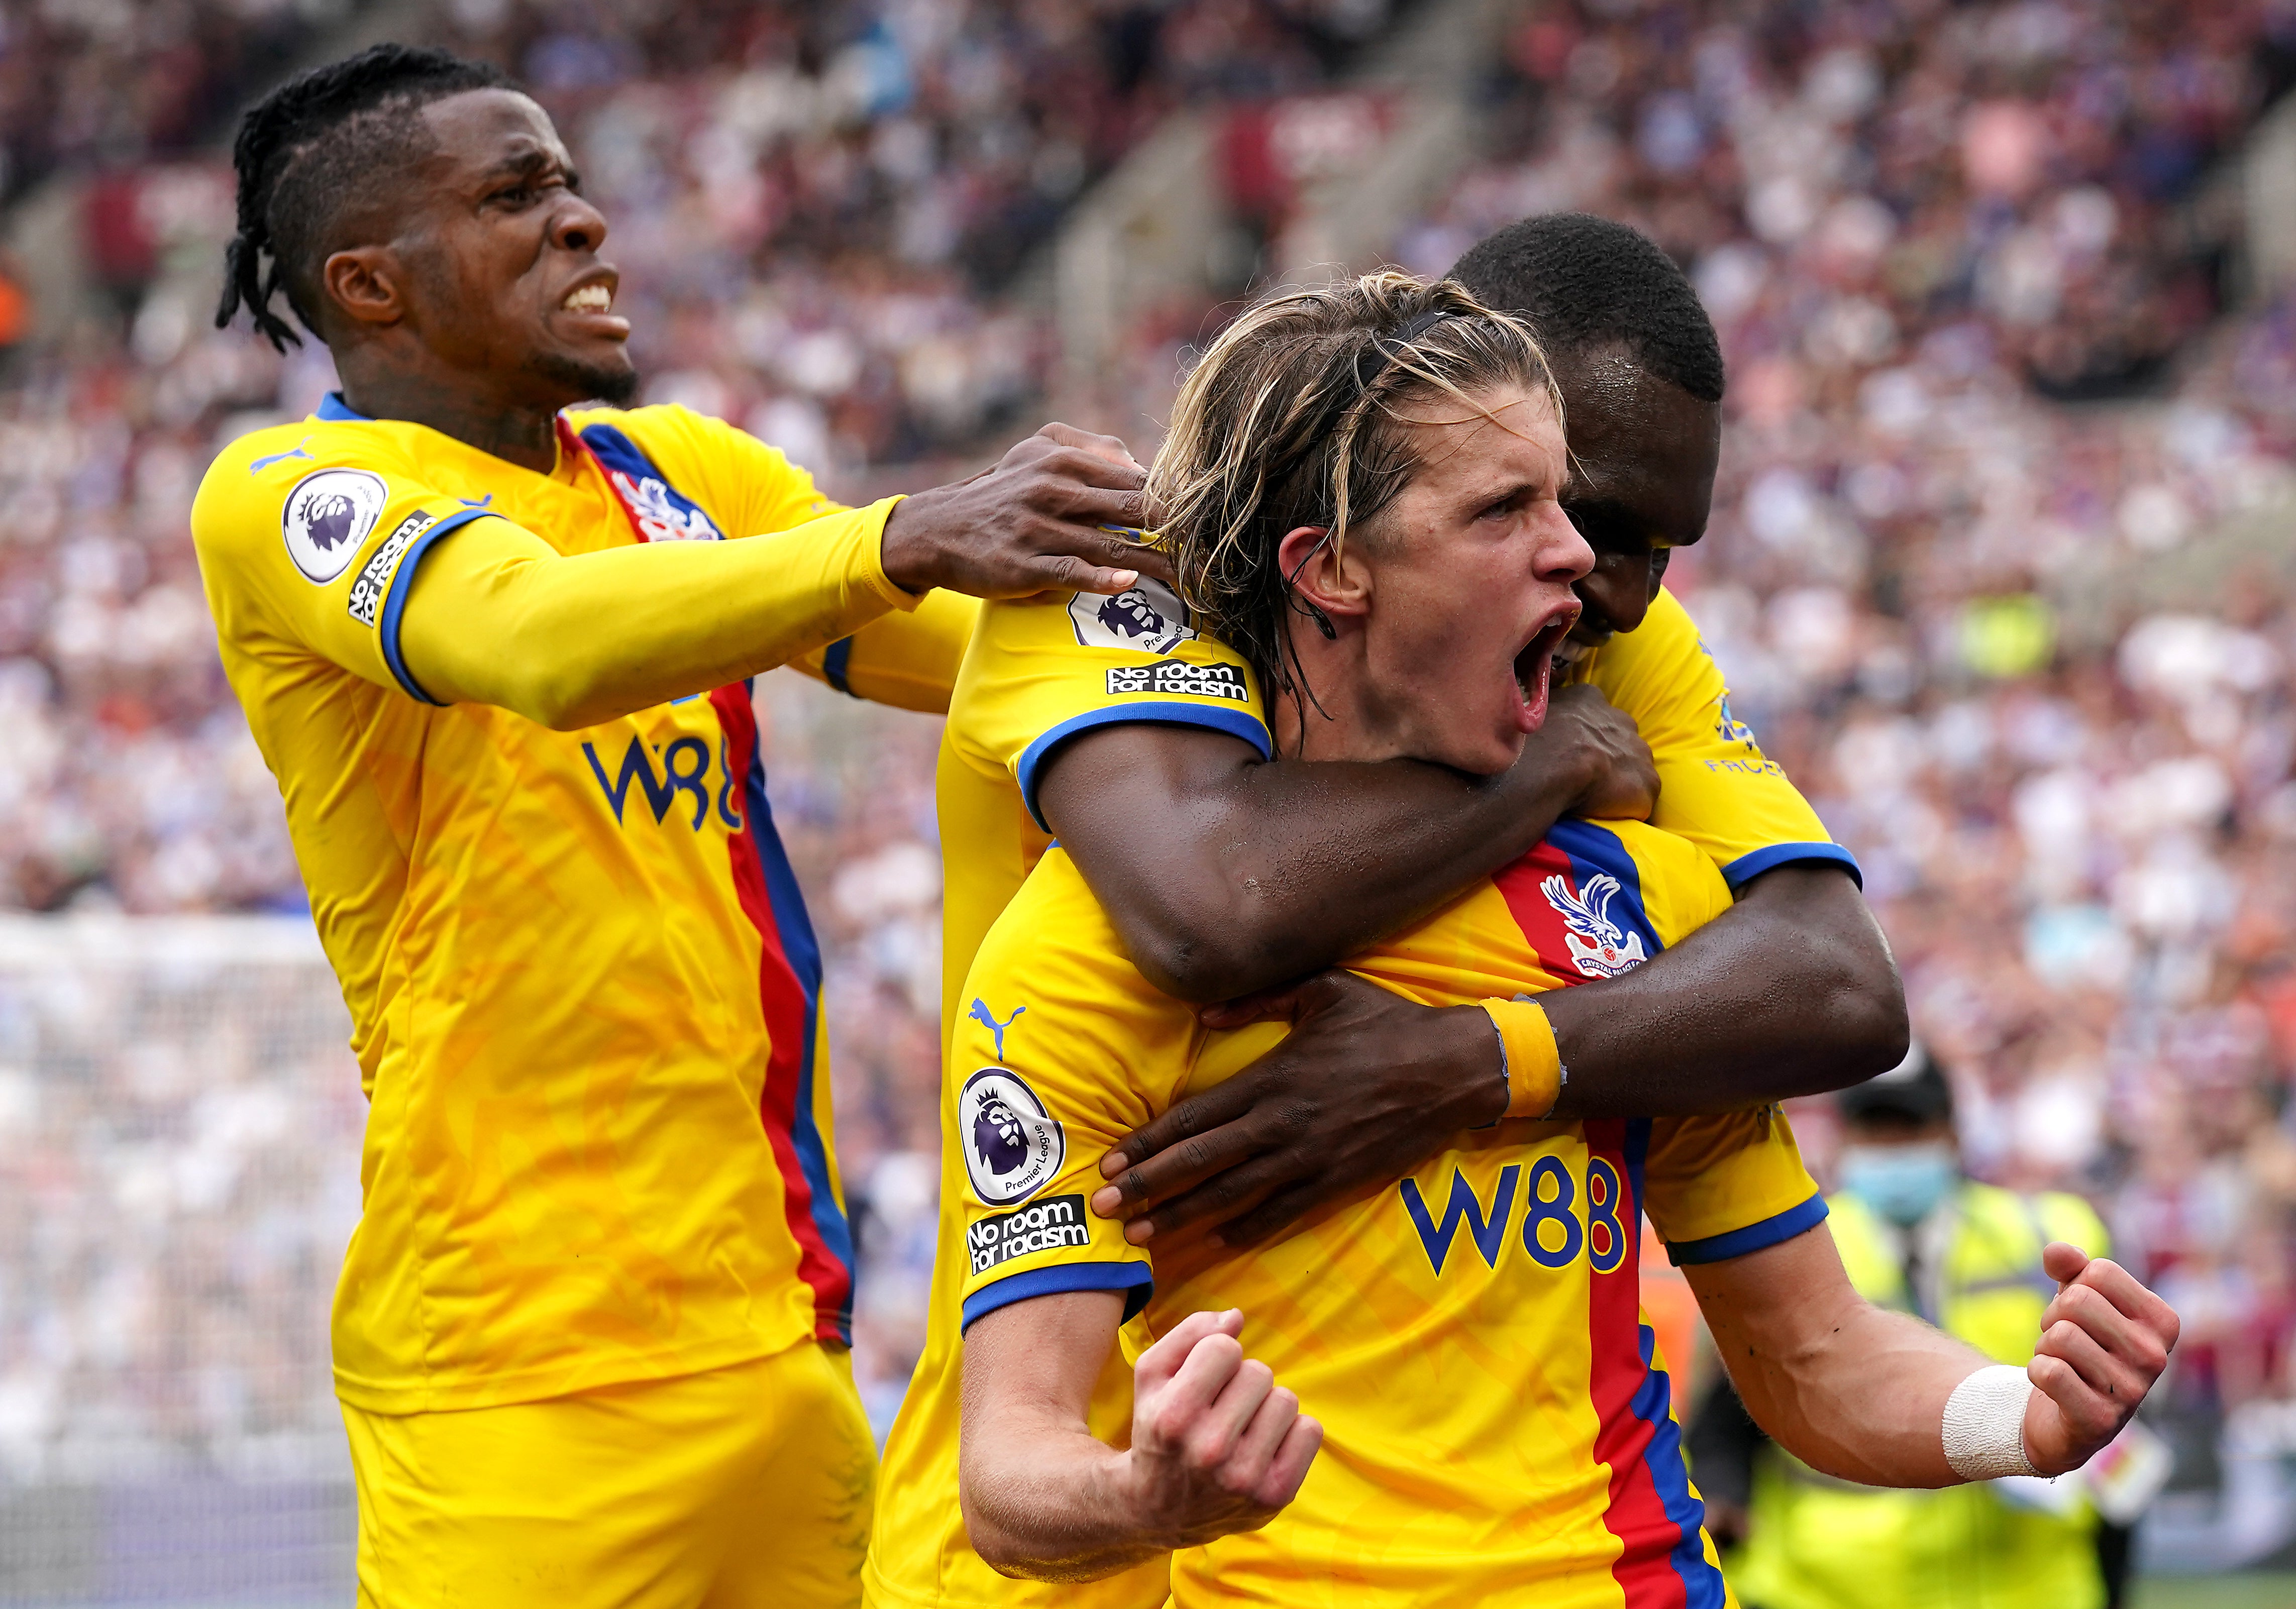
(333, 407)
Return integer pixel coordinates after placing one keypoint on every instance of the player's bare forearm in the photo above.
(1790, 992)
(1042, 1496)
(1862, 1394)
(1850, 1389)
(1226, 874)
(1217, 1446)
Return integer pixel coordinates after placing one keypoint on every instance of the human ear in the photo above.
(366, 283)
(1325, 583)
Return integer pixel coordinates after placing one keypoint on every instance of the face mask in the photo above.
(1902, 1182)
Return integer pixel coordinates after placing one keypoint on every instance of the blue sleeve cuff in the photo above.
(834, 658)
(394, 602)
(1753, 1237)
(1747, 867)
(1171, 712)
(1136, 1280)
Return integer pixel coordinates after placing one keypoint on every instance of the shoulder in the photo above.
(1055, 949)
(260, 479)
(676, 431)
(1669, 879)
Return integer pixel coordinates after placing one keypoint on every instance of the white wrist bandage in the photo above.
(1984, 1424)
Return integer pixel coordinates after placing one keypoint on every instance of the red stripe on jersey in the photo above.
(1636, 1513)
(783, 997)
(1534, 914)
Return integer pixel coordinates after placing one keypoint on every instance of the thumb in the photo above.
(2064, 1263)
(1257, 1007)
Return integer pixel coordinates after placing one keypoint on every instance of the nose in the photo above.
(1617, 591)
(1563, 555)
(578, 226)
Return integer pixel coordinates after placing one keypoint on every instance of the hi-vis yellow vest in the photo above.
(1813, 1542)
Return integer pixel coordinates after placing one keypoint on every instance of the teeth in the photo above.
(589, 299)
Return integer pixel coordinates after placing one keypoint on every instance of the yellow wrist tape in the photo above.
(1533, 1068)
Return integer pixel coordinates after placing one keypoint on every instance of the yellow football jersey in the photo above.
(1038, 671)
(1041, 670)
(582, 982)
(1497, 1417)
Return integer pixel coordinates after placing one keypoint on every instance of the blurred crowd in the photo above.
(1992, 350)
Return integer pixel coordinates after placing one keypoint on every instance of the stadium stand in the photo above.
(1998, 569)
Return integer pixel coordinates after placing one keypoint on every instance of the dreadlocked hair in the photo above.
(1293, 417)
(309, 150)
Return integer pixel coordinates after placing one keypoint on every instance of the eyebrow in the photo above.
(524, 161)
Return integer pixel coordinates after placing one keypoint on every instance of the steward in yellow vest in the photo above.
(1915, 1233)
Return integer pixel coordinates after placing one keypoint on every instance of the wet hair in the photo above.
(1291, 418)
(1585, 282)
(309, 153)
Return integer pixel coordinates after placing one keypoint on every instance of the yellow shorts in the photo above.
(743, 1488)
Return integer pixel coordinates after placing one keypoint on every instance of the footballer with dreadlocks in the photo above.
(494, 633)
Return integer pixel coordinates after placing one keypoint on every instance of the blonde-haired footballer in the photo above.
(1491, 1415)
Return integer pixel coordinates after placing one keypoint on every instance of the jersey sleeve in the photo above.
(1719, 1187)
(1063, 1049)
(907, 660)
(1042, 671)
(1716, 786)
(318, 550)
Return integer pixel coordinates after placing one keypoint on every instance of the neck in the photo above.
(1341, 721)
(523, 430)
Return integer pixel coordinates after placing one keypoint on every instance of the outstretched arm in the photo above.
(495, 615)
(1216, 1446)
(1226, 874)
(1791, 992)
(1861, 1394)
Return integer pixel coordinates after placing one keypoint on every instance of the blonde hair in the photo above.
(1291, 418)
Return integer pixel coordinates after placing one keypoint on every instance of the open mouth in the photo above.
(1534, 669)
(589, 299)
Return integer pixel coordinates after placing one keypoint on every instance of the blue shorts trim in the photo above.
(1754, 1237)
(1172, 712)
(394, 601)
(1136, 1279)
(1747, 867)
(834, 658)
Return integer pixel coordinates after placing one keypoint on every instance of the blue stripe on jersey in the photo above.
(1638, 1138)
(394, 601)
(1235, 723)
(332, 406)
(1701, 1583)
(1747, 867)
(1754, 1237)
(802, 951)
(618, 452)
(1136, 1279)
(1594, 849)
(834, 658)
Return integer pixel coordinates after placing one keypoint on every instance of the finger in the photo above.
(2099, 1370)
(2086, 1307)
(1110, 448)
(1195, 1385)
(2091, 1419)
(1256, 1007)
(1163, 1359)
(1221, 1426)
(1216, 1108)
(1289, 1467)
(1261, 1440)
(1087, 468)
(2121, 1288)
(1230, 1194)
(2063, 1262)
(1168, 1175)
